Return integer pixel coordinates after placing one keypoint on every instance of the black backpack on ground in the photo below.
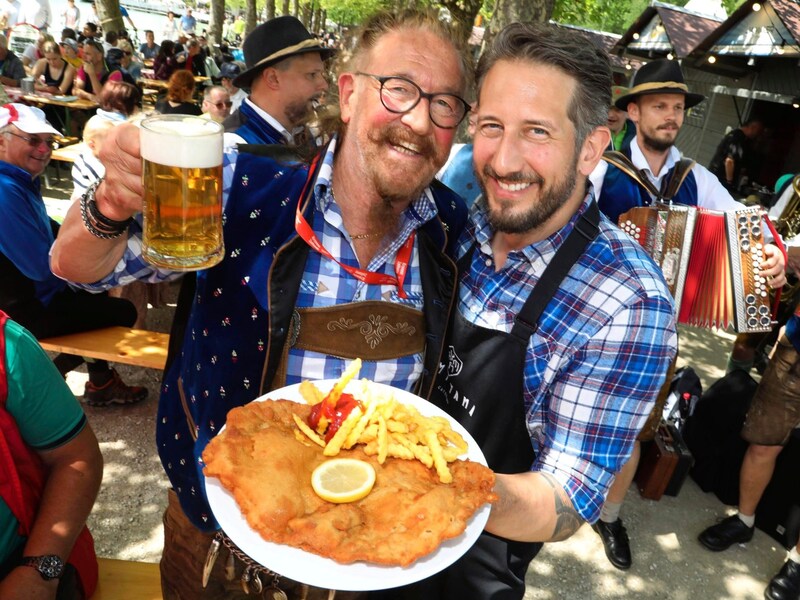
(712, 434)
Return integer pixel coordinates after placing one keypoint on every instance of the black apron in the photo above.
(481, 386)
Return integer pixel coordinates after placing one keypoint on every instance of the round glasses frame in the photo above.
(445, 110)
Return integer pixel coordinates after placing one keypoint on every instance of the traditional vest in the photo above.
(255, 130)
(621, 192)
(22, 480)
(241, 312)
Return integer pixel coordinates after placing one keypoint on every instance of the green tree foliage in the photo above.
(613, 16)
(352, 12)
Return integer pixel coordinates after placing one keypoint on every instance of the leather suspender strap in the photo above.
(586, 229)
(624, 164)
(682, 169)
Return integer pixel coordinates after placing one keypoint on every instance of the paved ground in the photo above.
(668, 561)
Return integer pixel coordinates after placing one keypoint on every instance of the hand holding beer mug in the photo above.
(182, 176)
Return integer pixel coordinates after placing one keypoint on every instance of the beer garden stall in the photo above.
(753, 59)
(745, 65)
(622, 67)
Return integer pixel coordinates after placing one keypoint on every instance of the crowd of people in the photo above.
(541, 327)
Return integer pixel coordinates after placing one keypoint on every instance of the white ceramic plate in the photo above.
(65, 98)
(323, 572)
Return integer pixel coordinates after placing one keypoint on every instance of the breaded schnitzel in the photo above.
(408, 514)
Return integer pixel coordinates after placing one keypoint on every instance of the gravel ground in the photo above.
(668, 560)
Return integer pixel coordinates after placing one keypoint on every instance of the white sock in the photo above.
(748, 520)
(794, 555)
(610, 511)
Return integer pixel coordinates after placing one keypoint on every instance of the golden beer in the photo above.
(182, 173)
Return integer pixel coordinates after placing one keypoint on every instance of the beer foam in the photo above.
(188, 142)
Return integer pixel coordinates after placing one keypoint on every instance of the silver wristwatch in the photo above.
(49, 566)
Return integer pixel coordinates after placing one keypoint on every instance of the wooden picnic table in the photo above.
(160, 84)
(78, 104)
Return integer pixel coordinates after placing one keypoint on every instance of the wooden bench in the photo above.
(115, 344)
(64, 154)
(127, 580)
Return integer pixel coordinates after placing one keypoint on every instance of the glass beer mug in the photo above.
(182, 172)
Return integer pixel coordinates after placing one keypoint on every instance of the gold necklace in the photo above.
(365, 236)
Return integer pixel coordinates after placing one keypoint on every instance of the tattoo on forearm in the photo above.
(567, 519)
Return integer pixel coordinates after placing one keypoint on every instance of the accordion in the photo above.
(710, 261)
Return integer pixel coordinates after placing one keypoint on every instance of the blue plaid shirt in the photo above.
(324, 283)
(597, 361)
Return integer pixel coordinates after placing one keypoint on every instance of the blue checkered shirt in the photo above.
(324, 283)
(598, 359)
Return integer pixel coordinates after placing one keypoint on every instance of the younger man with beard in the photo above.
(564, 328)
(285, 75)
(656, 103)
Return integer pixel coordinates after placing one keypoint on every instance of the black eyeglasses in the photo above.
(35, 142)
(221, 105)
(400, 95)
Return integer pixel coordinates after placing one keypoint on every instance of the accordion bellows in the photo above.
(710, 261)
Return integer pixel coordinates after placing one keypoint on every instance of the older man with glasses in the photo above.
(216, 103)
(30, 293)
(359, 234)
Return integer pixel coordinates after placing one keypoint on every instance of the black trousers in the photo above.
(73, 311)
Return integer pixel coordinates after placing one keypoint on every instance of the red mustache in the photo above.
(400, 136)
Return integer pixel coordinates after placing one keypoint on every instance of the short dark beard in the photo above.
(550, 200)
(656, 145)
(300, 112)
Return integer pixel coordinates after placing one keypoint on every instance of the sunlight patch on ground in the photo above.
(145, 547)
(744, 587)
(76, 380)
(668, 541)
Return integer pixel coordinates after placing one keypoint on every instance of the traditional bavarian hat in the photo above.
(658, 77)
(275, 40)
(617, 91)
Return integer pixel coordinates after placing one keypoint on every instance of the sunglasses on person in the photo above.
(36, 141)
(221, 105)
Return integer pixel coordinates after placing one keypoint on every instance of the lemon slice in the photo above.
(342, 480)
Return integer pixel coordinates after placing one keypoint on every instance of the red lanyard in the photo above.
(305, 231)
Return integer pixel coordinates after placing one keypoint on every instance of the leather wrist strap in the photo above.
(97, 223)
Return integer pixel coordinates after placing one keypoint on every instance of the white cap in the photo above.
(26, 118)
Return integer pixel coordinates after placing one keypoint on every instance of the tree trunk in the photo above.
(270, 6)
(285, 7)
(463, 13)
(296, 8)
(216, 21)
(307, 15)
(511, 11)
(316, 23)
(250, 16)
(109, 15)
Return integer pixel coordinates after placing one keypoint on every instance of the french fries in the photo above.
(386, 428)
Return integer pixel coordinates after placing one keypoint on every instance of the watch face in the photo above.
(49, 567)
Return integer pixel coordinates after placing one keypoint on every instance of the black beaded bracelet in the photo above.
(97, 223)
